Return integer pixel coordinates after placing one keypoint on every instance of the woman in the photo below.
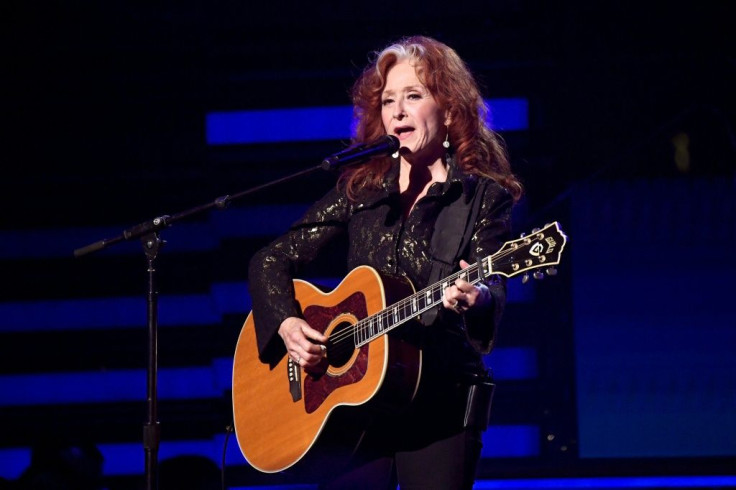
(405, 215)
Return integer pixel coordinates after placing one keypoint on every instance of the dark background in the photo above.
(630, 146)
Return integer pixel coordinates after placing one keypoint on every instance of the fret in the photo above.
(358, 334)
(403, 309)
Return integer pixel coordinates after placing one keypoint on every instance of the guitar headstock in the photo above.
(542, 249)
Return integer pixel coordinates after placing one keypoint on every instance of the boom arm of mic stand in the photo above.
(161, 222)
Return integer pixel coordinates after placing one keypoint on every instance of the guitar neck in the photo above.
(372, 327)
(542, 248)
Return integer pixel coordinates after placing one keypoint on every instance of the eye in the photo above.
(414, 96)
(386, 102)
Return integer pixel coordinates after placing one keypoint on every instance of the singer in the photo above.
(421, 212)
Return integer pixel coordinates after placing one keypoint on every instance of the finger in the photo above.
(462, 285)
(313, 334)
(460, 294)
(305, 359)
(448, 300)
(312, 347)
(294, 355)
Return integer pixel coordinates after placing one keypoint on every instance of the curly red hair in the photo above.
(477, 149)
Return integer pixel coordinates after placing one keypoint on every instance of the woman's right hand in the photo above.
(303, 343)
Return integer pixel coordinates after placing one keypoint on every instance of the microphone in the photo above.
(383, 146)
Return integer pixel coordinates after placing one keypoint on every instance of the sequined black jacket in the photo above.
(380, 237)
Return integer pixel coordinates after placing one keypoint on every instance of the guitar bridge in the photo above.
(294, 373)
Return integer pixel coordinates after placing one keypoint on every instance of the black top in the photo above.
(379, 236)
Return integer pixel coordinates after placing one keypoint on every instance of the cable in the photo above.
(228, 431)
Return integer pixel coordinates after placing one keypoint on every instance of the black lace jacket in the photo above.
(378, 236)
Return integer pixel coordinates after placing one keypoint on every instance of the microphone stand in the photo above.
(149, 233)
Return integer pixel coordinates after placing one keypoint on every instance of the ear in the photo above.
(448, 117)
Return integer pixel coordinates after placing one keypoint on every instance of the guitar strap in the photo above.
(452, 233)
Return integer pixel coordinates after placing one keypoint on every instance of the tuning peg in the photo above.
(538, 275)
(536, 230)
(551, 271)
(525, 278)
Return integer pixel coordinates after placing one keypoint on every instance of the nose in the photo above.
(399, 111)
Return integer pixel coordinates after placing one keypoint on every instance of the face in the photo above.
(410, 113)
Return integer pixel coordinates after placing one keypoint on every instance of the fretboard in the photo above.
(400, 312)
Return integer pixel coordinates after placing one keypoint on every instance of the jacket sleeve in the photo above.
(492, 228)
(272, 269)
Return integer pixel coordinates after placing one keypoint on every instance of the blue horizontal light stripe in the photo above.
(128, 458)
(511, 114)
(295, 486)
(130, 384)
(115, 385)
(327, 123)
(244, 222)
(649, 482)
(103, 313)
(608, 483)
(518, 441)
(279, 125)
(513, 363)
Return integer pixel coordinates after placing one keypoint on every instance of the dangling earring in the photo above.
(446, 143)
(395, 154)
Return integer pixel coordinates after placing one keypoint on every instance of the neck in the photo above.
(414, 181)
(413, 175)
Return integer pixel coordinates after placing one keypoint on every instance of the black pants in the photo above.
(449, 463)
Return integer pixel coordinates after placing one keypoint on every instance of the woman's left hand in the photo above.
(462, 296)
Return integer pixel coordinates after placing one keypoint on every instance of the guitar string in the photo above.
(350, 332)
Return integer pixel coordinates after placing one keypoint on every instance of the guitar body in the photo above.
(282, 412)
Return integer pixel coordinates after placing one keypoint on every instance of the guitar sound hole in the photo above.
(340, 345)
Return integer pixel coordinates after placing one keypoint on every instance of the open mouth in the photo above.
(403, 132)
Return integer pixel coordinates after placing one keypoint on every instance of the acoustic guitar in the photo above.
(282, 412)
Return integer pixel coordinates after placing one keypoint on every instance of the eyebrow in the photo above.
(405, 89)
